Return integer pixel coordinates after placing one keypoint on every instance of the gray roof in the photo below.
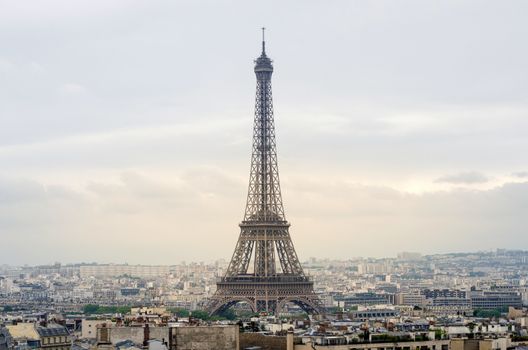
(52, 331)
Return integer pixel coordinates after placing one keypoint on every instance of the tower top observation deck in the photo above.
(263, 63)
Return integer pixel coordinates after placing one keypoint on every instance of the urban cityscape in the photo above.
(431, 300)
(361, 291)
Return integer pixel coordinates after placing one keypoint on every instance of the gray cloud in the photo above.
(149, 218)
(466, 178)
(521, 174)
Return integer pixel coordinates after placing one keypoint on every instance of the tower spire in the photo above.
(263, 41)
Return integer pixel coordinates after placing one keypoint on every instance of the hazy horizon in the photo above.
(126, 127)
(226, 260)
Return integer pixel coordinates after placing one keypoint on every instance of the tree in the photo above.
(180, 312)
(471, 327)
(90, 308)
(228, 314)
(202, 315)
(97, 309)
(487, 313)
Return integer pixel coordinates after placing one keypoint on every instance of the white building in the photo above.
(142, 271)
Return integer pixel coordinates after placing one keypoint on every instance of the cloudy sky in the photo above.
(125, 126)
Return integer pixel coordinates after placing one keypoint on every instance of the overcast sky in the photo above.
(125, 126)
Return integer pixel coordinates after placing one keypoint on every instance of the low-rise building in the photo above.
(54, 337)
(6, 341)
(486, 300)
(35, 336)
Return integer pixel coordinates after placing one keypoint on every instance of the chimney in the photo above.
(172, 342)
(103, 334)
(289, 339)
(146, 335)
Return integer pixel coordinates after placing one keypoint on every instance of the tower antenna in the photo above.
(263, 40)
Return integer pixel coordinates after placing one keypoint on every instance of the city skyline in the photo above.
(396, 132)
(225, 261)
(308, 260)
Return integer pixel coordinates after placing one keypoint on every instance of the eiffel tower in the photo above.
(264, 271)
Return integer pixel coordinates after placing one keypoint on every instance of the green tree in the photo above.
(180, 312)
(439, 334)
(123, 309)
(487, 313)
(90, 308)
(201, 314)
(228, 314)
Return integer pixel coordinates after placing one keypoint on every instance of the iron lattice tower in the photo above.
(264, 271)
